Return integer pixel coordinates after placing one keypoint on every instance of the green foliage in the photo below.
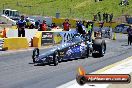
(83, 9)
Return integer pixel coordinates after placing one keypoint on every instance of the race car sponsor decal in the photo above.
(82, 47)
(47, 38)
(72, 50)
(76, 49)
(58, 38)
(61, 53)
(83, 78)
(69, 52)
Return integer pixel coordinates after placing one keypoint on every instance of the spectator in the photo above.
(53, 25)
(111, 17)
(21, 26)
(66, 25)
(99, 16)
(80, 27)
(31, 26)
(101, 24)
(129, 30)
(44, 26)
(104, 17)
(40, 27)
(89, 29)
(95, 17)
(83, 23)
(27, 23)
(37, 23)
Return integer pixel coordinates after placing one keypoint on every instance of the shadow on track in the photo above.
(31, 63)
(125, 45)
(64, 61)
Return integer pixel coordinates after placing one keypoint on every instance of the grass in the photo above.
(82, 9)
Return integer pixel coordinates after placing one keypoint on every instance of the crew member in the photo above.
(129, 30)
(37, 23)
(28, 23)
(101, 24)
(89, 28)
(44, 26)
(99, 15)
(53, 25)
(66, 25)
(21, 26)
(111, 17)
(80, 27)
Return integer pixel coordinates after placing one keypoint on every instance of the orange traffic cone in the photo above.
(4, 33)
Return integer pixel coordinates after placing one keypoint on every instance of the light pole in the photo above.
(3, 6)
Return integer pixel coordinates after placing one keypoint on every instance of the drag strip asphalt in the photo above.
(18, 71)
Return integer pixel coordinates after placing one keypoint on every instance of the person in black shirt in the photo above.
(37, 23)
(111, 17)
(129, 30)
(99, 15)
(21, 26)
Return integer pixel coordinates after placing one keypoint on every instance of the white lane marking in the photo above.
(124, 67)
(67, 84)
(73, 84)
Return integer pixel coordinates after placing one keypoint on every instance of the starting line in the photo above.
(121, 67)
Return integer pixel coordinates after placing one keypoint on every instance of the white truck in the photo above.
(10, 16)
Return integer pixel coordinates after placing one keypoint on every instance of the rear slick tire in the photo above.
(100, 46)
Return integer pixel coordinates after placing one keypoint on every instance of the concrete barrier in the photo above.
(15, 43)
(29, 33)
(37, 39)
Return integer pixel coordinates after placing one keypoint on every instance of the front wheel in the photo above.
(55, 58)
(35, 54)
